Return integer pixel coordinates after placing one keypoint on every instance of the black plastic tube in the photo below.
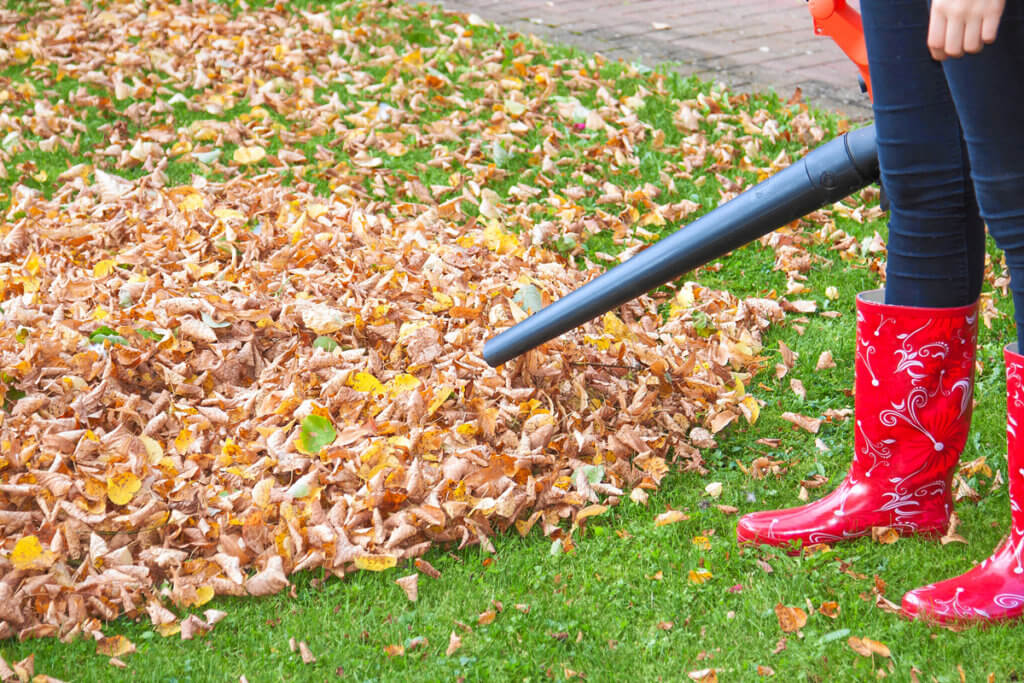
(827, 174)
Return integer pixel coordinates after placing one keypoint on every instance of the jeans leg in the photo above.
(936, 237)
(988, 89)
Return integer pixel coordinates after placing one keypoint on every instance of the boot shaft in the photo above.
(914, 388)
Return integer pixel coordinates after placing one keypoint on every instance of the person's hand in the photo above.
(957, 27)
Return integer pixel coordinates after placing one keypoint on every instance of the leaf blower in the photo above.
(826, 175)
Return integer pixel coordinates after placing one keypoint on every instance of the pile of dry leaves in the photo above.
(208, 387)
(164, 450)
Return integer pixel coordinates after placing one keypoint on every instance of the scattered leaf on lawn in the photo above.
(791, 619)
(698, 576)
(394, 650)
(305, 653)
(811, 424)
(375, 563)
(454, 643)
(868, 647)
(486, 618)
(670, 517)
(114, 646)
(410, 584)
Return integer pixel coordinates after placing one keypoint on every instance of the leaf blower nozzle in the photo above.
(827, 174)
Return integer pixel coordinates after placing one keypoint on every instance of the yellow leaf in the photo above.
(599, 342)
(32, 263)
(167, 630)
(441, 395)
(375, 563)
(415, 58)
(191, 202)
(316, 210)
(466, 429)
(590, 511)
(249, 154)
(28, 553)
(115, 646)
(402, 383)
(122, 487)
(442, 302)
(183, 440)
(702, 542)
(752, 409)
(699, 576)
(204, 594)
(154, 451)
(366, 383)
(103, 268)
(499, 241)
(224, 213)
(100, 313)
(615, 327)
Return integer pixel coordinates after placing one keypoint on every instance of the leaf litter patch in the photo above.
(208, 387)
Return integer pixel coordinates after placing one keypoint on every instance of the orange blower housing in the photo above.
(841, 23)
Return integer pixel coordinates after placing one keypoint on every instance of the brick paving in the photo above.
(746, 44)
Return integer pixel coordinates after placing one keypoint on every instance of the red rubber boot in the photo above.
(993, 590)
(914, 384)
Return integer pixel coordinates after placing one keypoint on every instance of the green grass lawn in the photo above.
(630, 600)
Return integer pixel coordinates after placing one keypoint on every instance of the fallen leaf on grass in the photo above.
(638, 496)
(704, 676)
(115, 646)
(426, 568)
(306, 653)
(670, 517)
(698, 576)
(885, 535)
(454, 643)
(810, 424)
(951, 536)
(409, 584)
(830, 609)
(765, 670)
(486, 618)
(665, 625)
(825, 361)
(394, 650)
(867, 647)
(798, 388)
(791, 619)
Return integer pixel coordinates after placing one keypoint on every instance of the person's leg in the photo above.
(989, 92)
(936, 238)
(988, 89)
(914, 362)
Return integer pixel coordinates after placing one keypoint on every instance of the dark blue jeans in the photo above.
(951, 149)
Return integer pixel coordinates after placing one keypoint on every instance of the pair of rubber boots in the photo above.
(914, 390)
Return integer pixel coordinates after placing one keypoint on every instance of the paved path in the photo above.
(747, 44)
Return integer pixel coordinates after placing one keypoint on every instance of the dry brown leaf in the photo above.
(791, 619)
(809, 424)
(305, 653)
(824, 361)
(670, 517)
(410, 584)
(454, 643)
